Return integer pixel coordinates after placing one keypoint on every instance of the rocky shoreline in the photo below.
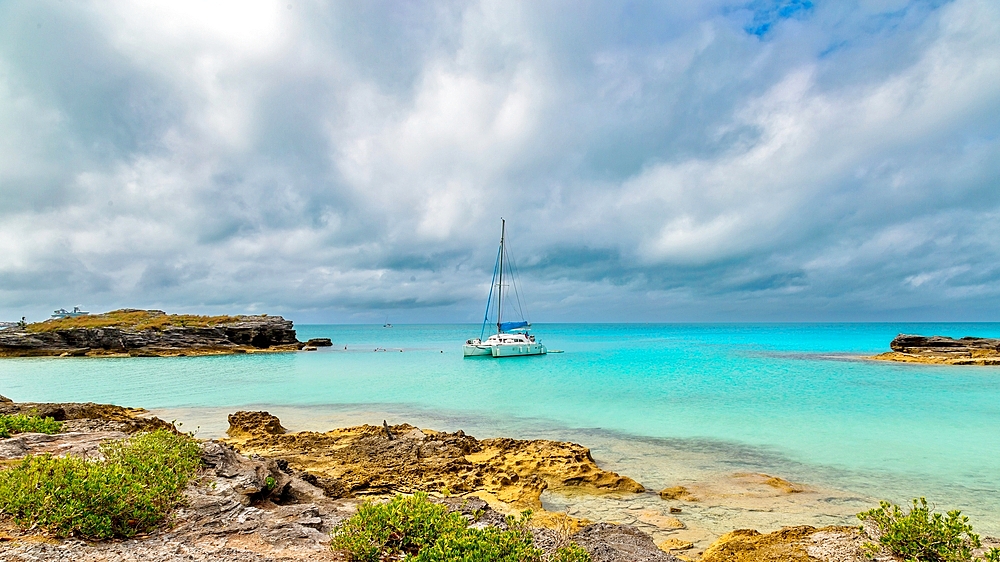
(267, 494)
(150, 333)
(941, 350)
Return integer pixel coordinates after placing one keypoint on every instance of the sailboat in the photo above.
(511, 338)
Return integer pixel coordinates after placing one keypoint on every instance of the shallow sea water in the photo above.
(665, 404)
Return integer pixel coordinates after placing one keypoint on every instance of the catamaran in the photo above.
(512, 338)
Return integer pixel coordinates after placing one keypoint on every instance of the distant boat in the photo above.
(512, 338)
(63, 313)
(387, 324)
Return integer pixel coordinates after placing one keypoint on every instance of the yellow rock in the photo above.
(775, 482)
(677, 493)
(786, 545)
(658, 519)
(673, 544)
(364, 460)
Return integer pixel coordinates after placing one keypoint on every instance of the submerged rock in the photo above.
(679, 493)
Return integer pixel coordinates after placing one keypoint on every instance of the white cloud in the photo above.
(344, 158)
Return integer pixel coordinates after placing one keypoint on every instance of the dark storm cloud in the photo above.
(772, 159)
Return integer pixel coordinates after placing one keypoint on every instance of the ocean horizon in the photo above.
(667, 404)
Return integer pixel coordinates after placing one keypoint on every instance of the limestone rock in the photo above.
(244, 425)
(658, 519)
(607, 542)
(775, 482)
(668, 545)
(362, 460)
(679, 493)
(943, 350)
(88, 416)
(239, 332)
(319, 342)
(790, 544)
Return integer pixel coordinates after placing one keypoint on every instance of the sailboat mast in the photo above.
(503, 230)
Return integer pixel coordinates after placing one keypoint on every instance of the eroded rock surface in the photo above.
(269, 508)
(943, 350)
(364, 460)
(791, 544)
(238, 509)
(607, 542)
(88, 416)
(240, 334)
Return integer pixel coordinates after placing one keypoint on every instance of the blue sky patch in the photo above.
(766, 13)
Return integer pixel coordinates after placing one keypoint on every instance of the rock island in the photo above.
(942, 350)
(132, 332)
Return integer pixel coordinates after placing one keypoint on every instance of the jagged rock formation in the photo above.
(364, 460)
(149, 333)
(256, 509)
(943, 350)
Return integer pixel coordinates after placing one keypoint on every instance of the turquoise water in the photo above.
(789, 398)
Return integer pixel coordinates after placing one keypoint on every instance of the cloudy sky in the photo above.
(706, 160)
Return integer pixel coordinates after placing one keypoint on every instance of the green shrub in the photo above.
(571, 553)
(920, 535)
(427, 532)
(19, 423)
(131, 491)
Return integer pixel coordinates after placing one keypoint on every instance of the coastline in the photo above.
(730, 495)
(755, 514)
(685, 405)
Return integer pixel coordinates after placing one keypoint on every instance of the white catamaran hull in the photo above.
(518, 350)
(470, 350)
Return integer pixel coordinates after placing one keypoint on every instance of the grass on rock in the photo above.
(920, 535)
(132, 320)
(423, 531)
(19, 423)
(131, 491)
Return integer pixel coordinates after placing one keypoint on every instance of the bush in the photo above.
(19, 423)
(416, 527)
(921, 535)
(131, 491)
(571, 553)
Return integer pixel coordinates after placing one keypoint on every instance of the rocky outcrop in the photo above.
(259, 509)
(319, 342)
(88, 416)
(790, 544)
(237, 334)
(943, 350)
(375, 460)
(619, 543)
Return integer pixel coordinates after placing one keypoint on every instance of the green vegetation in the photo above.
(132, 491)
(427, 532)
(131, 320)
(920, 535)
(19, 423)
